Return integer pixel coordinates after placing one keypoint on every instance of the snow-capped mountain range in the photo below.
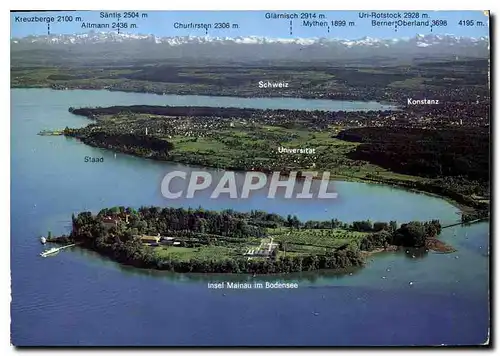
(102, 37)
(253, 47)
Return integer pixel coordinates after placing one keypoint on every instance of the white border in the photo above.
(184, 5)
(256, 5)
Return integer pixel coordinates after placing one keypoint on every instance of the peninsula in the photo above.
(413, 148)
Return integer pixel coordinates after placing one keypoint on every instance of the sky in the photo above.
(254, 23)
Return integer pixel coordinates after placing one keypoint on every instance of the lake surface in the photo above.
(78, 298)
(108, 98)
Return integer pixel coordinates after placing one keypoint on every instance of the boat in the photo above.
(43, 240)
(51, 251)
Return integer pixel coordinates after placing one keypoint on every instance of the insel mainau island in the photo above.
(400, 121)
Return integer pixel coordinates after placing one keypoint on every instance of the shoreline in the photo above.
(419, 185)
(233, 249)
(382, 102)
(432, 244)
(401, 184)
(432, 187)
(464, 208)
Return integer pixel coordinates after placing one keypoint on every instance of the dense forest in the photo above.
(475, 215)
(460, 154)
(139, 145)
(456, 160)
(198, 229)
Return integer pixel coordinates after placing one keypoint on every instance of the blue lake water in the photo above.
(103, 97)
(80, 298)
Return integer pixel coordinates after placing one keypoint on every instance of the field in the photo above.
(291, 242)
(200, 253)
(220, 251)
(240, 143)
(315, 240)
(259, 146)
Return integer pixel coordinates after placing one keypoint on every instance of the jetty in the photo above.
(54, 250)
(51, 133)
(464, 223)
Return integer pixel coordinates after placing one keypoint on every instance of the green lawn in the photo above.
(200, 253)
(322, 238)
(202, 144)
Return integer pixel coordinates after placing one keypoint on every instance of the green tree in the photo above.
(379, 226)
(411, 234)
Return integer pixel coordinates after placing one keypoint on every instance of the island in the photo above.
(204, 241)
